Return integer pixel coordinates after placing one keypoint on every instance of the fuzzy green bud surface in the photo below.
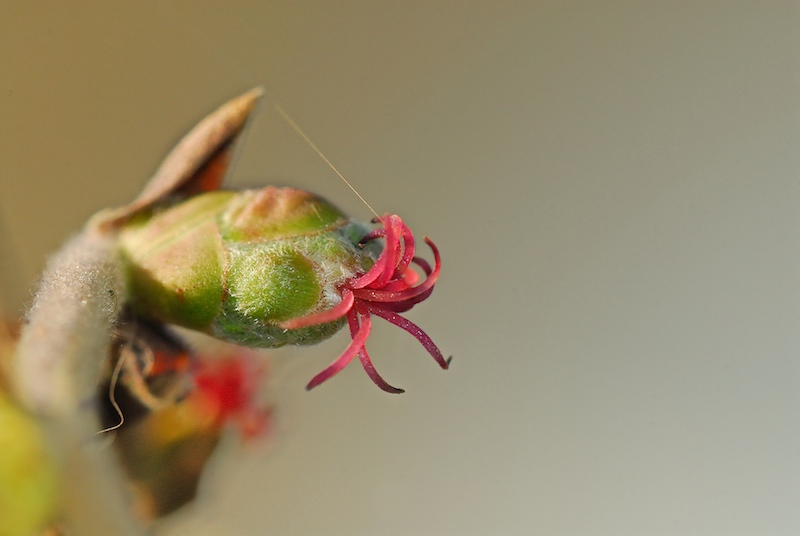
(237, 264)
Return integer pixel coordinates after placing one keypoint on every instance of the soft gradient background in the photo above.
(615, 190)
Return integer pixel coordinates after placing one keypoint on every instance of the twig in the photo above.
(57, 370)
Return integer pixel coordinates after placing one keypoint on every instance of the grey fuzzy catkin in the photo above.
(58, 364)
(70, 325)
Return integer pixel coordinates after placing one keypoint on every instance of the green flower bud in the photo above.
(266, 267)
(236, 264)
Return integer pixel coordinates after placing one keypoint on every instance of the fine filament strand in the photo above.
(112, 397)
(316, 149)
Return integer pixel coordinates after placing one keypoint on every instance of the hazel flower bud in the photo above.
(275, 266)
(265, 267)
(236, 264)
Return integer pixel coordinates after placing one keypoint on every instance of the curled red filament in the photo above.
(388, 288)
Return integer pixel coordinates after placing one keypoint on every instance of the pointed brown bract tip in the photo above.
(198, 163)
(388, 288)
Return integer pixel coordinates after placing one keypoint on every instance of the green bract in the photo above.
(235, 264)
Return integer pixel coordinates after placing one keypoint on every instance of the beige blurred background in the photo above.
(615, 190)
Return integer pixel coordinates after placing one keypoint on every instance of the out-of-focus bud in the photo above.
(28, 475)
(167, 406)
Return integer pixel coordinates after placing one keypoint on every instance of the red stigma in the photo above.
(388, 288)
(226, 391)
